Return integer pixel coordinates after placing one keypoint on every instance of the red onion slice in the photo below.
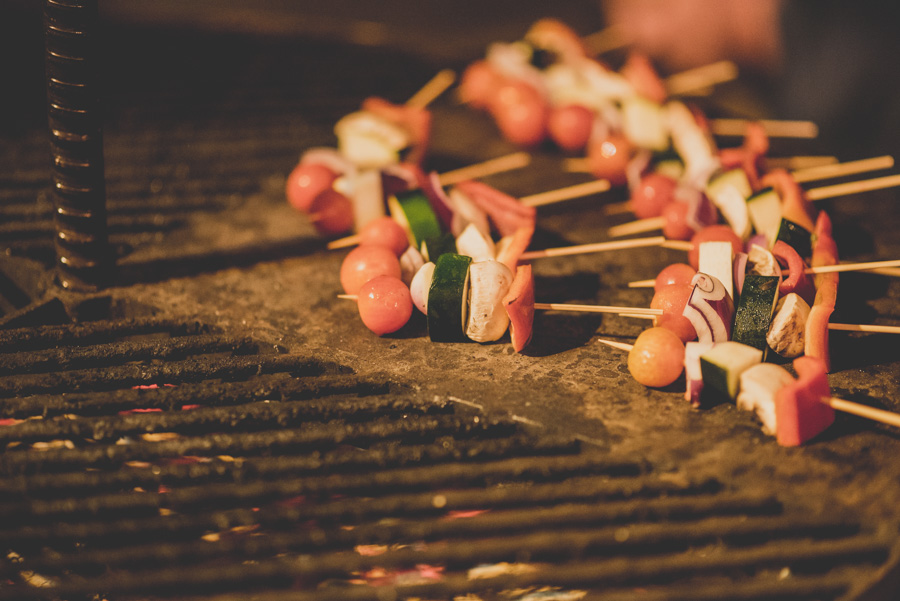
(710, 309)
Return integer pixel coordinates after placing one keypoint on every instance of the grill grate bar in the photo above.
(314, 437)
(799, 555)
(274, 387)
(121, 352)
(245, 469)
(188, 370)
(27, 339)
(496, 523)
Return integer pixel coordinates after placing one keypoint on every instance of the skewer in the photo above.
(352, 297)
(615, 344)
(864, 327)
(627, 311)
(842, 169)
(853, 266)
(878, 415)
(799, 162)
(606, 40)
(595, 247)
(507, 162)
(639, 226)
(891, 271)
(642, 284)
(865, 185)
(774, 128)
(431, 90)
(578, 190)
(701, 78)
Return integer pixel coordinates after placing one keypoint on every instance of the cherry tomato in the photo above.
(331, 213)
(608, 158)
(652, 195)
(385, 232)
(672, 299)
(366, 262)
(306, 182)
(384, 304)
(657, 358)
(479, 84)
(676, 273)
(716, 233)
(570, 126)
(520, 112)
(676, 226)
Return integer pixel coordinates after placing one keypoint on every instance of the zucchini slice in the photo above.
(729, 191)
(432, 248)
(412, 210)
(765, 214)
(448, 298)
(723, 364)
(796, 236)
(755, 309)
(644, 123)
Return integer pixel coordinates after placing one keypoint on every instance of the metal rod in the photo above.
(84, 257)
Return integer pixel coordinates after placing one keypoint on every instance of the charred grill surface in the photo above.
(217, 426)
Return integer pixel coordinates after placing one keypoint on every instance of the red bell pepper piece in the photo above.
(507, 214)
(794, 206)
(750, 155)
(797, 281)
(519, 303)
(824, 253)
(521, 239)
(799, 412)
(640, 73)
(414, 120)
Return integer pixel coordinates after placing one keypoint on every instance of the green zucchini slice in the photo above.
(448, 299)
(765, 214)
(432, 248)
(796, 236)
(723, 364)
(755, 309)
(412, 210)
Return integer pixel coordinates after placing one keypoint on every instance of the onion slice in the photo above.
(710, 309)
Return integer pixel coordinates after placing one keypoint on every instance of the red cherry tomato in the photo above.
(384, 304)
(652, 195)
(385, 232)
(672, 299)
(570, 126)
(608, 158)
(306, 182)
(716, 233)
(367, 262)
(676, 226)
(520, 113)
(478, 84)
(331, 213)
(657, 358)
(674, 274)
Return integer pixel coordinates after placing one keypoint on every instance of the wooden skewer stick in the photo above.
(596, 309)
(701, 78)
(344, 242)
(853, 266)
(507, 162)
(639, 226)
(891, 271)
(431, 90)
(576, 191)
(595, 247)
(352, 297)
(642, 284)
(616, 344)
(864, 327)
(605, 40)
(637, 315)
(799, 162)
(841, 169)
(865, 185)
(684, 245)
(576, 165)
(878, 415)
(774, 128)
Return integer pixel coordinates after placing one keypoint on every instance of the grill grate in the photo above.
(159, 457)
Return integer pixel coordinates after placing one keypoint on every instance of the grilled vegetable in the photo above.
(723, 364)
(710, 309)
(758, 386)
(796, 236)
(786, 335)
(754, 311)
(489, 282)
(716, 259)
(764, 209)
(657, 357)
(432, 248)
(729, 192)
(473, 243)
(692, 372)
(413, 212)
(448, 298)
(799, 413)
(824, 253)
(519, 303)
(644, 123)
(420, 285)
(411, 262)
